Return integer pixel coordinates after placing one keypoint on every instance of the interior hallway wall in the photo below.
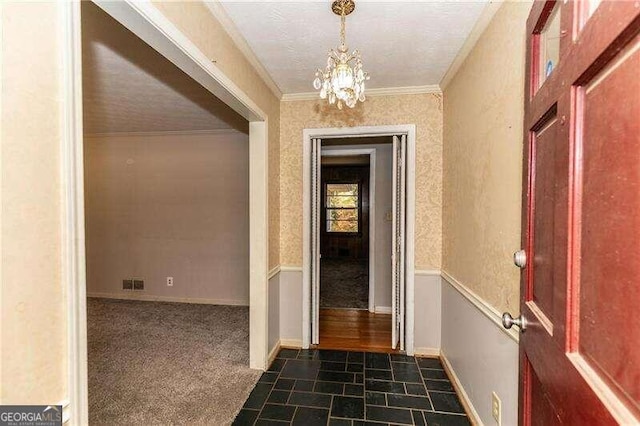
(383, 205)
(483, 116)
(33, 346)
(482, 181)
(169, 205)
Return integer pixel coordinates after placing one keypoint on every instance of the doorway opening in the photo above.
(347, 199)
(359, 194)
(166, 190)
(153, 28)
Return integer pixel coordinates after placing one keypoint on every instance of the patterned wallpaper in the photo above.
(483, 110)
(423, 110)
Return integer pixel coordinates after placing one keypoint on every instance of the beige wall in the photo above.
(423, 110)
(33, 328)
(196, 22)
(483, 113)
(168, 205)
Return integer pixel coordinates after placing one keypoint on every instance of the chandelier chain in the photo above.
(343, 30)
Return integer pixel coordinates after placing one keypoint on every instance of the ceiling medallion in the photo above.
(339, 82)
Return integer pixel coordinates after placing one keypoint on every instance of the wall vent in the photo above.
(127, 284)
(138, 284)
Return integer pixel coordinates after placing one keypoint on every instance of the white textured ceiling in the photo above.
(402, 43)
(129, 87)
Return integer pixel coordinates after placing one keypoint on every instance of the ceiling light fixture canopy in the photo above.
(339, 82)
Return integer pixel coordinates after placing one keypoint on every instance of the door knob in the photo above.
(508, 321)
(520, 258)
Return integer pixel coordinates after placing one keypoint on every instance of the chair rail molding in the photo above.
(488, 310)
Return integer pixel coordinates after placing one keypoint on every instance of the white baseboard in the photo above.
(290, 343)
(464, 398)
(273, 353)
(134, 295)
(426, 352)
(382, 309)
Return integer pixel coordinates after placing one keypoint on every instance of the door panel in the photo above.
(544, 146)
(579, 361)
(315, 239)
(610, 223)
(395, 254)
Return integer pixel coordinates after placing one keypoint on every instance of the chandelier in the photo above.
(339, 82)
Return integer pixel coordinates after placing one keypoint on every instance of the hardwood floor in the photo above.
(356, 330)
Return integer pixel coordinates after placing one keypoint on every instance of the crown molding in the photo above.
(221, 15)
(478, 29)
(163, 133)
(383, 91)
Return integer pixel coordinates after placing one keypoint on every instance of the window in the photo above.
(342, 202)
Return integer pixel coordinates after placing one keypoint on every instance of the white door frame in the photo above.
(148, 23)
(346, 132)
(371, 152)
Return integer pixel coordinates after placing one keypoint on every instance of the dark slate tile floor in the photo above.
(325, 387)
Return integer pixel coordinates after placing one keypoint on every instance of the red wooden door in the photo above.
(580, 354)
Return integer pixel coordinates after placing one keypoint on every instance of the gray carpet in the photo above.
(167, 363)
(344, 283)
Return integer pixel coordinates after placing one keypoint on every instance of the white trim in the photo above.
(273, 354)
(164, 133)
(383, 310)
(291, 343)
(290, 268)
(457, 384)
(489, 311)
(383, 91)
(73, 273)
(131, 295)
(221, 15)
(258, 244)
(372, 211)
(307, 134)
(427, 352)
(428, 272)
(66, 410)
(273, 272)
(480, 26)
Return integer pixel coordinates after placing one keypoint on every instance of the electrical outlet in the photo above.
(127, 284)
(170, 281)
(138, 284)
(496, 408)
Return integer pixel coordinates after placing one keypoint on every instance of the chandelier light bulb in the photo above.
(342, 82)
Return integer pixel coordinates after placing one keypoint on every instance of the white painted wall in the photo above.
(290, 306)
(484, 356)
(169, 205)
(384, 182)
(427, 312)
